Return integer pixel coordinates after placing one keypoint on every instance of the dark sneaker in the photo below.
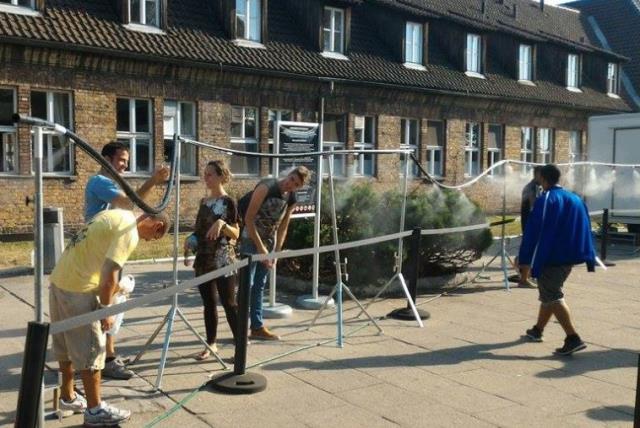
(114, 369)
(105, 416)
(571, 344)
(534, 334)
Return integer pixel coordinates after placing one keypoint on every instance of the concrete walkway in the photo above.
(469, 366)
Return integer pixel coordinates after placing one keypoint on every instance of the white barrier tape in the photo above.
(595, 213)
(89, 317)
(455, 229)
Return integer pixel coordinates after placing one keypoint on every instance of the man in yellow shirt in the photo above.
(84, 280)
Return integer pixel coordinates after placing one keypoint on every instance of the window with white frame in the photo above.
(334, 134)
(134, 128)
(474, 53)
(410, 140)
(575, 146)
(365, 139)
(472, 144)
(145, 12)
(545, 145)
(435, 148)
(612, 78)
(495, 147)
(413, 41)
(276, 116)
(526, 146)
(8, 135)
(248, 20)
(244, 137)
(180, 118)
(23, 3)
(57, 150)
(573, 71)
(525, 63)
(333, 30)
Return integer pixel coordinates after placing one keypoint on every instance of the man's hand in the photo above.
(107, 323)
(160, 175)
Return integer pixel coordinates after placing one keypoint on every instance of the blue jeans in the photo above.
(257, 282)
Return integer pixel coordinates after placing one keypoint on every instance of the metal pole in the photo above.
(415, 271)
(39, 256)
(316, 220)
(503, 246)
(334, 223)
(605, 234)
(30, 395)
(404, 209)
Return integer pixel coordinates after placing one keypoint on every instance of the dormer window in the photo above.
(248, 20)
(473, 57)
(612, 79)
(23, 3)
(20, 7)
(573, 72)
(333, 30)
(413, 41)
(525, 63)
(145, 12)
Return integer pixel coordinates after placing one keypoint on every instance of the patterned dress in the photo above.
(215, 254)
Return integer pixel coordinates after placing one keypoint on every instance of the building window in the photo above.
(8, 135)
(133, 128)
(333, 30)
(545, 145)
(365, 139)
(413, 41)
(23, 3)
(472, 149)
(276, 116)
(248, 19)
(334, 135)
(409, 140)
(180, 118)
(573, 71)
(612, 78)
(525, 63)
(575, 146)
(526, 146)
(57, 150)
(145, 12)
(474, 54)
(495, 147)
(435, 148)
(244, 137)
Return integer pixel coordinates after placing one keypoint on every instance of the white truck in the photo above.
(616, 139)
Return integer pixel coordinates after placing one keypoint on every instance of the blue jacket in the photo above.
(558, 232)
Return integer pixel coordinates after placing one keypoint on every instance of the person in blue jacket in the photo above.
(557, 237)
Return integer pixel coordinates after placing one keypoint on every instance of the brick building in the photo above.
(462, 82)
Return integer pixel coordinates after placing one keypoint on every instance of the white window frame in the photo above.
(245, 140)
(406, 144)
(328, 145)
(544, 145)
(14, 6)
(188, 152)
(143, 13)
(132, 136)
(431, 151)
(573, 72)
(253, 16)
(495, 154)
(335, 12)
(413, 43)
(525, 63)
(473, 57)
(277, 113)
(613, 80)
(48, 163)
(526, 151)
(471, 167)
(366, 142)
(10, 129)
(575, 146)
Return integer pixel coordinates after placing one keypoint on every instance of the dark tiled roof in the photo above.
(619, 20)
(194, 34)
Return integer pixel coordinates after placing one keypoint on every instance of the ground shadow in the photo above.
(612, 413)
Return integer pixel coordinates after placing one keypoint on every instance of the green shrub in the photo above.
(363, 213)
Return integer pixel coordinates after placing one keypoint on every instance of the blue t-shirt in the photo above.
(98, 195)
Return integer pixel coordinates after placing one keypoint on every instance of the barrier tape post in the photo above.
(604, 238)
(239, 381)
(636, 417)
(30, 395)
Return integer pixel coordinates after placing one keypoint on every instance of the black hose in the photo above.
(128, 190)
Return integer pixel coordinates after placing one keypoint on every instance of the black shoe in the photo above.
(534, 334)
(571, 344)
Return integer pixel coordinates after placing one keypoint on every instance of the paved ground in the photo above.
(469, 366)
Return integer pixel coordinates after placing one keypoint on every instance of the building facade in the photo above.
(463, 83)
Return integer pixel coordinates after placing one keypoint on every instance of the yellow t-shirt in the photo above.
(111, 234)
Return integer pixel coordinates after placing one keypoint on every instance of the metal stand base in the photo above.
(407, 314)
(403, 284)
(279, 310)
(231, 383)
(307, 301)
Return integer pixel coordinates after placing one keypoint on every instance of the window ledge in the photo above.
(249, 44)
(49, 175)
(612, 95)
(18, 10)
(526, 82)
(573, 89)
(142, 28)
(334, 55)
(414, 66)
(474, 74)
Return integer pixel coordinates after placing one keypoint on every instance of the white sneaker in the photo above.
(77, 405)
(105, 416)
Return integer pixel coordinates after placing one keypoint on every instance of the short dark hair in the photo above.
(537, 169)
(550, 173)
(110, 149)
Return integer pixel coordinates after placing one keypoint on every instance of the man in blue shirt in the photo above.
(102, 193)
(557, 236)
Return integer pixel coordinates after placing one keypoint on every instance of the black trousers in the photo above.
(223, 288)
